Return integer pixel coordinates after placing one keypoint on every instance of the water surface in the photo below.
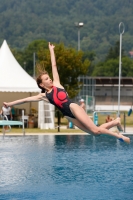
(65, 168)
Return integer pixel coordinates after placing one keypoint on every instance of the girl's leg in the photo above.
(88, 124)
(77, 123)
(113, 123)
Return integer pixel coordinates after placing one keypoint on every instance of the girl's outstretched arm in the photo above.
(38, 97)
(56, 79)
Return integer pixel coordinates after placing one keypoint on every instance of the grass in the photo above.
(128, 119)
(37, 130)
(64, 122)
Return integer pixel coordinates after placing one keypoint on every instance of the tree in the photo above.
(19, 56)
(114, 51)
(25, 57)
(70, 66)
(34, 47)
(110, 67)
(127, 67)
(90, 55)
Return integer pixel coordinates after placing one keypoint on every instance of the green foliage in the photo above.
(34, 47)
(127, 67)
(90, 56)
(114, 51)
(110, 67)
(19, 56)
(22, 22)
(25, 57)
(70, 66)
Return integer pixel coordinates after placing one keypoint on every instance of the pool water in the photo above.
(65, 168)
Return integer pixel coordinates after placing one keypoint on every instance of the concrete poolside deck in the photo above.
(58, 133)
(128, 131)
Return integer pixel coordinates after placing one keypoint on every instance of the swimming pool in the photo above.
(65, 168)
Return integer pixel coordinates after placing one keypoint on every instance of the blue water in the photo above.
(65, 168)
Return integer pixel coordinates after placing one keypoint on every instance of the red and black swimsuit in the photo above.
(60, 99)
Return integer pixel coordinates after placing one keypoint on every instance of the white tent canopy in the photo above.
(13, 78)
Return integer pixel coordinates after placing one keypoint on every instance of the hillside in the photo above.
(22, 21)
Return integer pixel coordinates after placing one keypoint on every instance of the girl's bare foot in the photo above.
(125, 139)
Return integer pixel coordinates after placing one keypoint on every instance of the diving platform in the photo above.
(10, 123)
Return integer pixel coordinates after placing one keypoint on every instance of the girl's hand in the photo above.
(51, 46)
(5, 104)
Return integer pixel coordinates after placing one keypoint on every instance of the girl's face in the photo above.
(47, 83)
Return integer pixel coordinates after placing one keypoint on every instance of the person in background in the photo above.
(82, 104)
(7, 114)
(108, 119)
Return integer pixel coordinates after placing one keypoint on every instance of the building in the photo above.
(104, 92)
